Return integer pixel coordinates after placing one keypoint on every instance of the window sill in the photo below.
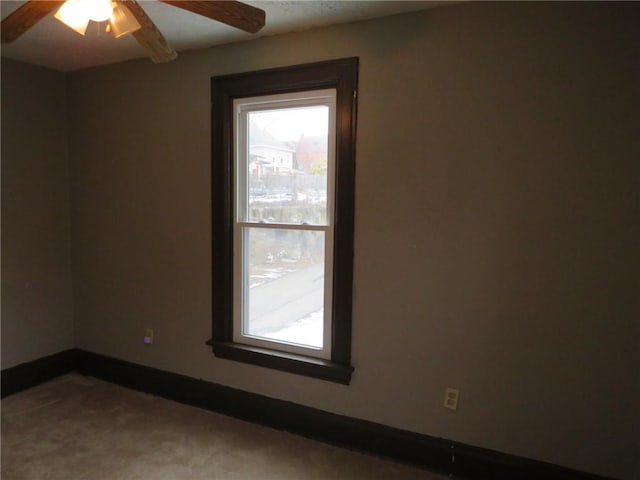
(287, 362)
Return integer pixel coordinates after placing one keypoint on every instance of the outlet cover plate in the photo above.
(451, 396)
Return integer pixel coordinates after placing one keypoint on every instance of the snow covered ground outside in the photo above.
(305, 331)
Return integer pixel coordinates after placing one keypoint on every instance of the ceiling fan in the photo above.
(230, 12)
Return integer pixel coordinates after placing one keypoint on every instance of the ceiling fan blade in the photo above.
(234, 13)
(25, 17)
(148, 36)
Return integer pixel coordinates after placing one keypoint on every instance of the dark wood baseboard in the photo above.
(38, 371)
(460, 460)
(441, 455)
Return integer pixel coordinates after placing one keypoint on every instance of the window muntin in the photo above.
(284, 159)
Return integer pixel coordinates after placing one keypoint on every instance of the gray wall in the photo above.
(37, 315)
(496, 223)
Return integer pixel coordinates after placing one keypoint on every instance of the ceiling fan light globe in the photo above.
(98, 10)
(73, 14)
(122, 20)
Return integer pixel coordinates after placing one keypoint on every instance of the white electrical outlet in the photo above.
(451, 396)
(148, 336)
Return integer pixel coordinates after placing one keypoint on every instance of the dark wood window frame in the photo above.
(342, 75)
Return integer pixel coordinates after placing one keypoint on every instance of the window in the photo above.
(283, 222)
(283, 205)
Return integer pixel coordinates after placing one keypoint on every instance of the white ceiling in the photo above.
(51, 44)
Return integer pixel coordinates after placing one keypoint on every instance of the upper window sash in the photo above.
(242, 107)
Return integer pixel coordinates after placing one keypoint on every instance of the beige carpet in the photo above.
(77, 427)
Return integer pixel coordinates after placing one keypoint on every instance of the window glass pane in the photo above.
(287, 165)
(285, 292)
